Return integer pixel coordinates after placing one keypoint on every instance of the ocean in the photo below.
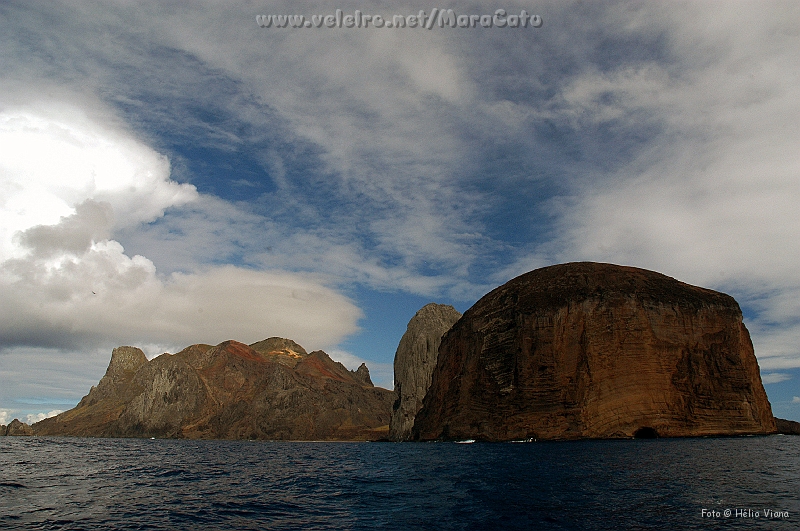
(143, 484)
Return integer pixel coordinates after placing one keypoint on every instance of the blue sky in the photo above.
(172, 173)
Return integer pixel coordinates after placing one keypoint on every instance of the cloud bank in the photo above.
(68, 183)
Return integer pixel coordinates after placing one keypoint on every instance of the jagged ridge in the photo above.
(272, 389)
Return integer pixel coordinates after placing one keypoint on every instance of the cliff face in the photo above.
(414, 362)
(16, 428)
(787, 427)
(596, 350)
(270, 390)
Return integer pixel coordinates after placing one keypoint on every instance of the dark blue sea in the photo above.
(724, 483)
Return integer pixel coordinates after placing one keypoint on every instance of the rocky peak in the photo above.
(198, 355)
(237, 349)
(279, 349)
(361, 375)
(414, 362)
(124, 362)
(318, 364)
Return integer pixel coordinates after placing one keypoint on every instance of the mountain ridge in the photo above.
(272, 389)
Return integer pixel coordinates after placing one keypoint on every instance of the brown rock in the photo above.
(17, 428)
(787, 427)
(231, 391)
(124, 361)
(414, 362)
(281, 350)
(586, 350)
(361, 375)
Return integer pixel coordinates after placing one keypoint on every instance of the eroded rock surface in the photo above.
(414, 362)
(17, 428)
(587, 350)
(787, 427)
(361, 375)
(269, 390)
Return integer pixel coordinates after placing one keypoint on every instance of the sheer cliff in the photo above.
(588, 350)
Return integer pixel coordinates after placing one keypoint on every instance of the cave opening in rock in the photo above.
(645, 433)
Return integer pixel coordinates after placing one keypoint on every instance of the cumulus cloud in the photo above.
(33, 418)
(796, 400)
(55, 156)
(5, 416)
(68, 184)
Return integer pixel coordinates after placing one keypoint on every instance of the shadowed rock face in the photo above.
(414, 362)
(787, 427)
(587, 350)
(232, 391)
(16, 428)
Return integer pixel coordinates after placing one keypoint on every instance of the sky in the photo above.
(172, 173)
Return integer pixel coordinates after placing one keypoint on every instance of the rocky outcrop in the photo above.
(282, 350)
(361, 375)
(787, 427)
(587, 350)
(414, 362)
(124, 362)
(269, 390)
(17, 428)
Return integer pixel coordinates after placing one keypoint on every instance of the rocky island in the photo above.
(16, 428)
(589, 350)
(272, 390)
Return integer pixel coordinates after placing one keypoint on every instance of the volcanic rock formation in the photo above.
(787, 427)
(272, 389)
(414, 362)
(587, 350)
(17, 428)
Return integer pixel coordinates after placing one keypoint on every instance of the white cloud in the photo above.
(67, 184)
(33, 418)
(379, 108)
(775, 377)
(712, 199)
(5, 416)
(796, 400)
(55, 156)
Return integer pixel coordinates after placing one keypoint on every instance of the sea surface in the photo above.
(714, 483)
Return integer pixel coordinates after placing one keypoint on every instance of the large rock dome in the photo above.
(589, 350)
